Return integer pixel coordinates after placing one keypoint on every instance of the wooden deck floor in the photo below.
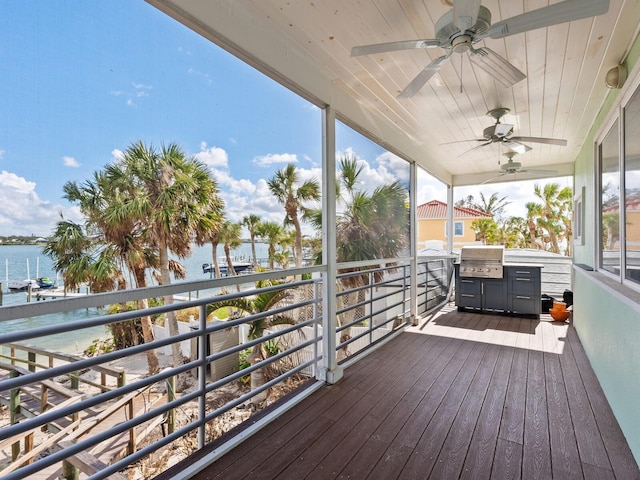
(462, 396)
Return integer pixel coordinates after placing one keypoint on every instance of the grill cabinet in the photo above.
(483, 282)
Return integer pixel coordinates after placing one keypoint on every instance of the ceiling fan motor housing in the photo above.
(447, 32)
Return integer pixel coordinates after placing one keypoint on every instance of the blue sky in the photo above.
(82, 80)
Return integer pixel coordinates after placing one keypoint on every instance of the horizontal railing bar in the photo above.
(12, 312)
(130, 315)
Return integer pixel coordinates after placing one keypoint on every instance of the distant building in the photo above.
(432, 225)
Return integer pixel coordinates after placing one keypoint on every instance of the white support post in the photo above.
(329, 370)
(450, 226)
(413, 239)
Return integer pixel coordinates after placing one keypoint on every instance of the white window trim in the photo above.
(455, 223)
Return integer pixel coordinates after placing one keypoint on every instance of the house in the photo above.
(432, 225)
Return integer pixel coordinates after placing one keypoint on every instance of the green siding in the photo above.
(608, 326)
(609, 329)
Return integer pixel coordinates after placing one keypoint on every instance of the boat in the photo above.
(23, 284)
(239, 267)
(44, 282)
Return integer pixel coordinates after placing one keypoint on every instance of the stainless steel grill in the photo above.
(483, 262)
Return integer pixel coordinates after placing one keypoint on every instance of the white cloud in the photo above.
(23, 212)
(117, 155)
(70, 162)
(139, 90)
(213, 157)
(141, 86)
(205, 76)
(275, 159)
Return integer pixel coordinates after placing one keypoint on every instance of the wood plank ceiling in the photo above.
(306, 45)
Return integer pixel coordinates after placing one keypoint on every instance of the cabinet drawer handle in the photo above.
(523, 297)
(466, 295)
(523, 279)
(467, 281)
(523, 271)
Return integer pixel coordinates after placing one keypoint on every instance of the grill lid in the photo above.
(491, 253)
(483, 261)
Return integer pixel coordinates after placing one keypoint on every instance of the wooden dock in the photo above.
(49, 395)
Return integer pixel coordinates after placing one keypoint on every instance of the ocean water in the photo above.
(19, 262)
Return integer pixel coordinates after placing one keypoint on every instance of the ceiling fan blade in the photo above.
(493, 178)
(538, 172)
(474, 148)
(496, 66)
(465, 141)
(393, 46)
(465, 13)
(561, 12)
(516, 146)
(548, 141)
(423, 77)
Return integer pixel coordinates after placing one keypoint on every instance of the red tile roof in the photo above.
(437, 209)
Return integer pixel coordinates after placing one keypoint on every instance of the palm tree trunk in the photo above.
(297, 251)
(147, 325)
(253, 250)
(176, 349)
(214, 254)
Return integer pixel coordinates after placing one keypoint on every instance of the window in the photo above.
(632, 188)
(619, 192)
(609, 154)
(458, 229)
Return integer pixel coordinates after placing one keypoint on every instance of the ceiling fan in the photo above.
(500, 133)
(468, 22)
(511, 168)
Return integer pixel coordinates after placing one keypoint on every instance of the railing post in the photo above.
(329, 371)
(31, 361)
(69, 472)
(371, 291)
(413, 247)
(316, 293)
(75, 380)
(202, 380)
(14, 410)
(171, 396)
(132, 430)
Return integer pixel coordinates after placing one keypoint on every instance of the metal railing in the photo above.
(228, 375)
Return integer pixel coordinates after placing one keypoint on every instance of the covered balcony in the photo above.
(383, 378)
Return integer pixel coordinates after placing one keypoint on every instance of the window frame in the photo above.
(617, 114)
(455, 224)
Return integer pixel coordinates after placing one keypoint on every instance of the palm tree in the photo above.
(486, 230)
(121, 240)
(494, 206)
(211, 233)
(176, 196)
(515, 232)
(550, 219)
(230, 237)
(284, 185)
(371, 226)
(270, 233)
(534, 210)
(251, 222)
(261, 302)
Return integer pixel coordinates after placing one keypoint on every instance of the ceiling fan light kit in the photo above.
(468, 23)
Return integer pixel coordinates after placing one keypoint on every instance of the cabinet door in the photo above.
(494, 294)
(469, 293)
(524, 290)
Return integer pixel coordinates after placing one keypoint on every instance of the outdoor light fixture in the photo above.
(616, 77)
